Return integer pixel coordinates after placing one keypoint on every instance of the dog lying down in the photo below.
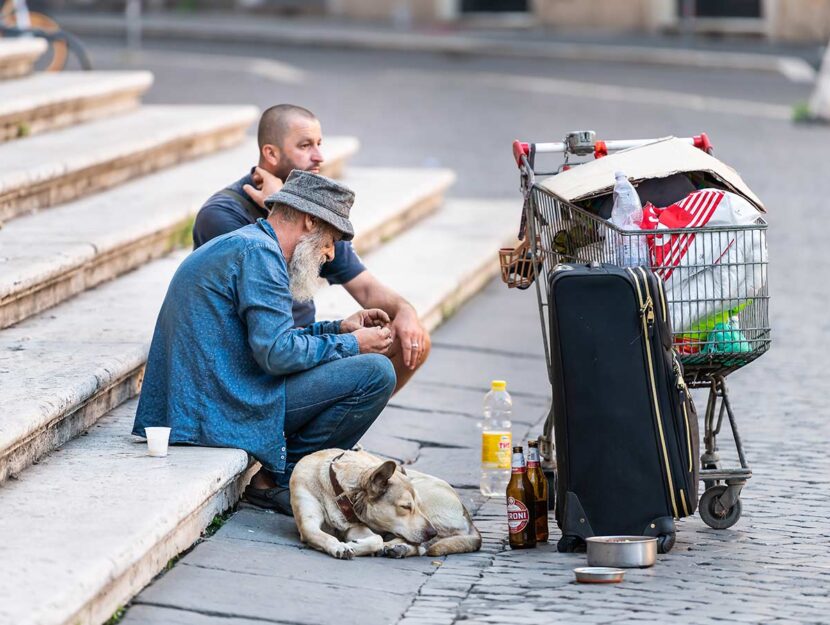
(344, 502)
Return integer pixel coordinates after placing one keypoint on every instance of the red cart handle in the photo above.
(602, 148)
(519, 149)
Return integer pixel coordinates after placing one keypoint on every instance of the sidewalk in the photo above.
(797, 62)
(772, 567)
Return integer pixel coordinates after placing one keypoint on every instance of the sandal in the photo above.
(277, 499)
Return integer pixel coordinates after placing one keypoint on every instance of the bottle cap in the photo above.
(517, 450)
(620, 174)
(498, 385)
(533, 443)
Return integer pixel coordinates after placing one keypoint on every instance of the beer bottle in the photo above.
(540, 490)
(521, 504)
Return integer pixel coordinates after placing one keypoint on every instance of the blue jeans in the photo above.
(333, 404)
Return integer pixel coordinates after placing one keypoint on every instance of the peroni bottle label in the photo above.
(518, 516)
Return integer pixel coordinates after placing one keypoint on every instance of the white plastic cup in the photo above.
(157, 439)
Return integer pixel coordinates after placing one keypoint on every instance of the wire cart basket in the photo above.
(719, 311)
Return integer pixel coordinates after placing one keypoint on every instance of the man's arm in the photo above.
(370, 292)
(322, 327)
(264, 303)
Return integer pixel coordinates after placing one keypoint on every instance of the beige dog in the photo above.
(344, 501)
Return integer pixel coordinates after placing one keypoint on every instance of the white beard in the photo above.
(304, 267)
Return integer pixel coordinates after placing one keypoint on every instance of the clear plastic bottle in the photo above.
(627, 214)
(496, 440)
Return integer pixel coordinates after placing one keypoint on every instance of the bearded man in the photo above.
(227, 367)
(289, 137)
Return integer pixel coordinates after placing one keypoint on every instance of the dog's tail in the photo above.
(461, 543)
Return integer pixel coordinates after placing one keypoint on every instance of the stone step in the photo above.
(18, 55)
(60, 166)
(91, 525)
(47, 101)
(50, 256)
(60, 371)
(441, 262)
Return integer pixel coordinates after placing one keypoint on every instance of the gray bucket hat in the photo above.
(319, 196)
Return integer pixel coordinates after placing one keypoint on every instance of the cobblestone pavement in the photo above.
(773, 566)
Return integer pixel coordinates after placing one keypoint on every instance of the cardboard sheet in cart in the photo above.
(660, 159)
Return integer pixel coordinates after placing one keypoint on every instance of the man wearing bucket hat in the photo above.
(289, 137)
(227, 367)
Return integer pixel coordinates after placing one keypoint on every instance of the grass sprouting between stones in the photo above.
(116, 617)
(216, 524)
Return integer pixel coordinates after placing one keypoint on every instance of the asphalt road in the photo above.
(462, 112)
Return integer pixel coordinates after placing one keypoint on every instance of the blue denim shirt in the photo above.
(223, 344)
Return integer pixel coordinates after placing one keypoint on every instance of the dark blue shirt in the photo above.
(224, 342)
(224, 212)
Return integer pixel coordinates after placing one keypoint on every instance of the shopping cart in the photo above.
(737, 331)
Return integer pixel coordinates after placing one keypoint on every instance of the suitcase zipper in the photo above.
(663, 299)
(682, 387)
(681, 384)
(683, 499)
(647, 317)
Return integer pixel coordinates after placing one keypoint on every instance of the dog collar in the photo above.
(342, 499)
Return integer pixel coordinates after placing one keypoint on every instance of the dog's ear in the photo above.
(380, 478)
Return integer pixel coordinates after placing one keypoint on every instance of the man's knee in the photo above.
(427, 348)
(380, 374)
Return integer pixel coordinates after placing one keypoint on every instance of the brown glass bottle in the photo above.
(540, 490)
(521, 504)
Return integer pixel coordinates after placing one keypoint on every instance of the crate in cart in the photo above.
(713, 262)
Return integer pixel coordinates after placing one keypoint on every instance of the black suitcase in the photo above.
(624, 425)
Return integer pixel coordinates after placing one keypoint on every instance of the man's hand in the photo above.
(407, 327)
(375, 340)
(371, 318)
(265, 184)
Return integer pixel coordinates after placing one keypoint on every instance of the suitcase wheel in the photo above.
(712, 511)
(665, 542)
(570, 544)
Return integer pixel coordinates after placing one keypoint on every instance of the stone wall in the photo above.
(799, 20)
(423, 11)
(617, 15)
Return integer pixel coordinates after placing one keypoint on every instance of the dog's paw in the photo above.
(343, 552)
(395, 551)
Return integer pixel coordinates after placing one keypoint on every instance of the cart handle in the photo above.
(601, 148)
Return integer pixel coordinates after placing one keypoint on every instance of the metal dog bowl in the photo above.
(622, 551)
(599, 575)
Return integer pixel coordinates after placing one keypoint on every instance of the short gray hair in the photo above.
(289, 215)
(285, 213)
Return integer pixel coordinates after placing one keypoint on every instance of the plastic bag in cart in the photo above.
(710, 276)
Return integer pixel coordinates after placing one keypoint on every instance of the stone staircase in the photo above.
(97, 196)
(18, 56)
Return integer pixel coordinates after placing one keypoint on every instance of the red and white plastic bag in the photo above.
(705, 273)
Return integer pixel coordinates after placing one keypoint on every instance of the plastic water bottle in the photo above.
(627, 214)
(496, 440)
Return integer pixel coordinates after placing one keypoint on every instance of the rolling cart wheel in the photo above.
(713, 513)
(665, 542)
(570, 544)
